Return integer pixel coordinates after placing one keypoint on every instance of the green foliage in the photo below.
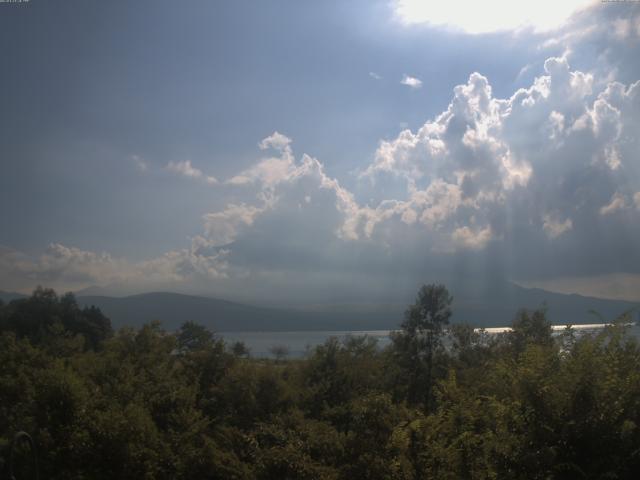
(193, 337)
(45, 317)
(280, 352)
(153, 404)
(337, 373)
(530, 328)
(240, 349)
(430, 312)
(420, 340)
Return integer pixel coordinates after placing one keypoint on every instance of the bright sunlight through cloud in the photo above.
(490, 15)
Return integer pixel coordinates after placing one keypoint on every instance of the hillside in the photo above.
(496, 308)
(6, 297)
(173, 309)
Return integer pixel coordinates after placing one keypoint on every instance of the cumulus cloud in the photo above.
(554, 157)
(269, 171)
(473, 239)
(222, 228)
(606, 31)
(617, 203)
(411, 82)
(554, 227)
(70, 268)
(486, 170)
(185, 169)
(485, 183)
(276, 140)
(375, 76)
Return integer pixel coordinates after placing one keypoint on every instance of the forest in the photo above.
(442, 401)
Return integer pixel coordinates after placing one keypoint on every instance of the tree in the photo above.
(421, 336)
(280, 352)
(193, 337)
(240, 349)
(45, 315)
(531, 327)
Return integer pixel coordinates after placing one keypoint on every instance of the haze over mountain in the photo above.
(6, 297)
(495, 306)
(221, 315)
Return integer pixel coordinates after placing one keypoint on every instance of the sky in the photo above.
(319, 152)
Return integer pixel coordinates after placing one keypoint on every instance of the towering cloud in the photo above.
(540, 171)
(544, 183)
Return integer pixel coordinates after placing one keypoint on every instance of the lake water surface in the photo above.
(299, 343)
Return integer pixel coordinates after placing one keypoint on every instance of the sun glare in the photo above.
(490, 15)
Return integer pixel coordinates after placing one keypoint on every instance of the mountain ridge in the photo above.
(224, 315)
(484, 309)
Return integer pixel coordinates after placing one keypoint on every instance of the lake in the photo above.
(298, 343)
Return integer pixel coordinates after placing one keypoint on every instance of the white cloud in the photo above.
(472, 239)
(375, 76)
(486, 171)
(538, 154)
(508, 175)
(556, 126)
(269, 171)
(412, 82)
(554, 227)
(140, 163)
(622, 28)
(277, 141)
(70, 268)
(604, 32)
(185, 169)
(616, 203)
(222, 228)
(439, 201)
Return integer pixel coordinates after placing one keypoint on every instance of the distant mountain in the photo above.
(6, 297)
(173, 309)
(496, 307)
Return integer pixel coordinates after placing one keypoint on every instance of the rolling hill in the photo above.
(173, 309)
(6, 297)
(495, 308)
